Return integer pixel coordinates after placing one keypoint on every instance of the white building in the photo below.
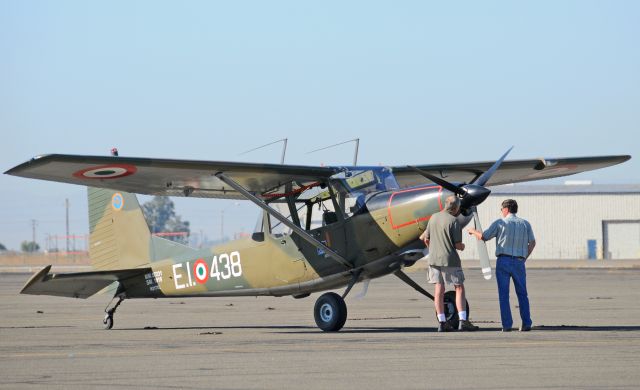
(570, 221)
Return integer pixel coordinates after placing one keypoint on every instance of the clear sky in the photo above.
(417, 81)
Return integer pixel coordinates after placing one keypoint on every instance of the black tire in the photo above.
(330, 312)
(107, 322)
(450, 310)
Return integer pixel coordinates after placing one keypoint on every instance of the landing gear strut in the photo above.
(108, 316)
(450, 309)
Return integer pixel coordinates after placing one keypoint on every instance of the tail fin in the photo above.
(119, 235)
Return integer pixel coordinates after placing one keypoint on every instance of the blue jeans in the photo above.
(508, 267)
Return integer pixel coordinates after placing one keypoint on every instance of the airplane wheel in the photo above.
(330, 312)
(108, 322)
(450, 310)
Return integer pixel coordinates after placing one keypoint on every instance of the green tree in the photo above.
(161, 218)
(2, 248)
(29, 246)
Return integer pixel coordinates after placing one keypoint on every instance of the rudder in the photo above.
(119, 235)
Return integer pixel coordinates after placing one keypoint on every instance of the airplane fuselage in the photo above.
(282, 264)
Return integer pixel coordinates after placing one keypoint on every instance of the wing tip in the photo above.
(15, 170)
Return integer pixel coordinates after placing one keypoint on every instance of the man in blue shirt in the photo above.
(514, 243)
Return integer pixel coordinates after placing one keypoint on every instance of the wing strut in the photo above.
(301, 232)
(405, 278)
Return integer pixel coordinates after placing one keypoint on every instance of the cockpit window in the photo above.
(312, 205)
(367, 180)
(355, 187)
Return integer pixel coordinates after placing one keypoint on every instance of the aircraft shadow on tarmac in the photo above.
(289, 329)
(293, 329)
(606, 328)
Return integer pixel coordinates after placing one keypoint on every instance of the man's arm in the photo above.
(476, 233)
(532, 244)
(489, 232)
(425, 237)
(531, 239)
(456, 235)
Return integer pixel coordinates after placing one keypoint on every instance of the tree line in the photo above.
(160, 216)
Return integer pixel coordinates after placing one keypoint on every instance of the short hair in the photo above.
(511, 204)
(451, 204)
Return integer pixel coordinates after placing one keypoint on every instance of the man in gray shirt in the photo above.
(514, 244)
(443, 236)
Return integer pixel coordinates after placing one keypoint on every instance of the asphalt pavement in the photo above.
(586, 335)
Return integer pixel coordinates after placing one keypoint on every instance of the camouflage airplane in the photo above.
(323, 228)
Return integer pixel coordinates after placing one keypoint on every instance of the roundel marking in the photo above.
(117, 201)
(112, 171)
(201, 271)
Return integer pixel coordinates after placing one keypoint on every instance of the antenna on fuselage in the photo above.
(355, 155)
(284, 148)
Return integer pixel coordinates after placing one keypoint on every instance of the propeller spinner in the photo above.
(471, 195)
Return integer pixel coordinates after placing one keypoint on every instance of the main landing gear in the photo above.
(330, 312)
(108, 316)
(450, 310)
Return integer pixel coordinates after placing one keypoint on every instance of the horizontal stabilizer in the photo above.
(76, 285)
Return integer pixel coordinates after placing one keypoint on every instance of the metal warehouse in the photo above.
(570, 221)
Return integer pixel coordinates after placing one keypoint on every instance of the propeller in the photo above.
(481, 246)
(471, 195)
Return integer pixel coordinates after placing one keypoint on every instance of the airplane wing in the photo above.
(199, 178)
(76, 285)
(168, 177)
(515, 171)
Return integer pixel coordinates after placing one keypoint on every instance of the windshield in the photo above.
(366, 180)
(311, 205)
(354, 187)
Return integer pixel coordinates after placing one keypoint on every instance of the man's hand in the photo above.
(474, 232)
(459, 246)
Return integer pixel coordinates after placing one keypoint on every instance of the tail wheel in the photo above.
(450, 310)
(107, 322)
(330, 312)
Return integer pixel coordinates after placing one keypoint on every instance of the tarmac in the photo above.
(586, 335)
(420, 265)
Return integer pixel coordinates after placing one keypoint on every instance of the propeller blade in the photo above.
(484, 178)
(445, 184)
(483, 253)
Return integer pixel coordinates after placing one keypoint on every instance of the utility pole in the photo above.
(66, 202)
(33, 231)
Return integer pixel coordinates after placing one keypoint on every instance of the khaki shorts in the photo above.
(450, 275)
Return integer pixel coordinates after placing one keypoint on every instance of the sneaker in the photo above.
(525, 328)
(467, 326)
(445, 327)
